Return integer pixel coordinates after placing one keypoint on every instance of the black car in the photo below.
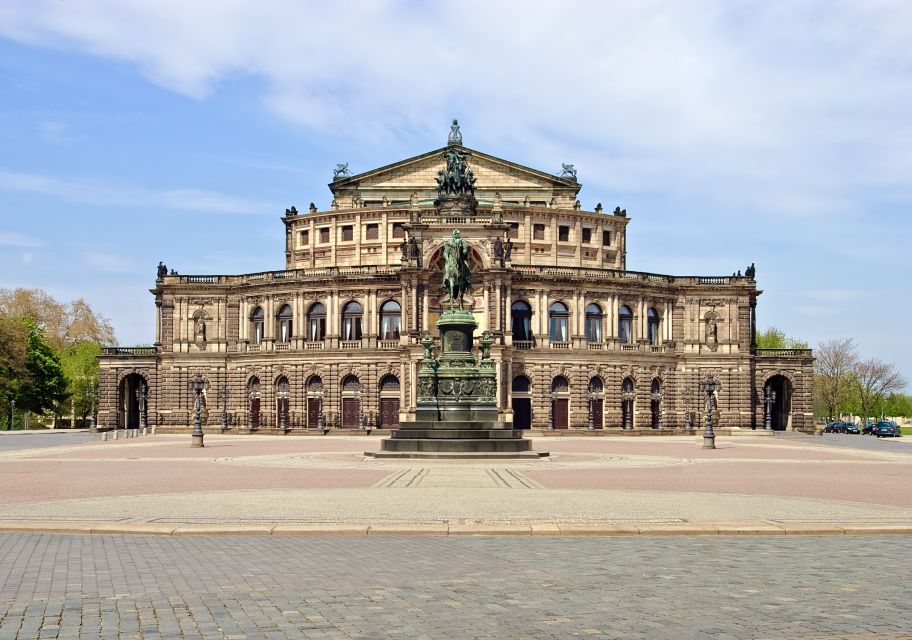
(851, 427)
(886, 428)
(840, 427)
(868, 428)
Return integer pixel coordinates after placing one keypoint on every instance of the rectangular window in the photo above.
(538, 232)
(324, 235)
(372, 232)
(398, 231)
(606, 238)
(348, 233)
(513, 231)
(304, 238)
(587, 235)
(563, 233)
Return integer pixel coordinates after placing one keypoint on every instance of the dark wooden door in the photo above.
(389, 413)
(255, 413)
(597, 412)
(313, 412)
(522, 413)
(561, 409)
(350, 413)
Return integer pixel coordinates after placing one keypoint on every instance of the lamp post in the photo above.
(769, 398)
(141, 395)
(589, 418)
(197, 385)
(688, 416)
(283, 408)
(709, 436)
(627, 397)
(223, 397)
(550, 411)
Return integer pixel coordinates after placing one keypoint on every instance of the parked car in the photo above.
(841, 427)
(886, 428)
(851, 427)
(868, 428)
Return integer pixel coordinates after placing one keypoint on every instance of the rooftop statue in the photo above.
(341, 171)
(457, 178)
(457, 277)
(455, 136)
(568, 171)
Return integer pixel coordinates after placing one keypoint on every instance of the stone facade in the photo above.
(334, 339)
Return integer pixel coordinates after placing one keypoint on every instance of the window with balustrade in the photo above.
(284, 324)
(594, 318)
(558, 322)
(521, 314)
(256, 326)
(351, 321)
(625, 325)
(390, 320)
(316, 322)
(652, 326)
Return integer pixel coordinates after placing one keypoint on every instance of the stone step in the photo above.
(460, 455)
(456, 445)
(450, 434)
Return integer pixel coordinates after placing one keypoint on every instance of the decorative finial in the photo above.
(455, 136)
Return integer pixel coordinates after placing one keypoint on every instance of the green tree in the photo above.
(47, 385)
(773, 338)
(80, 366)
(898, 404)
(14, 371)
(874, 381)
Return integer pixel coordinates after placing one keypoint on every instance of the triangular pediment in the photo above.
(419, 175)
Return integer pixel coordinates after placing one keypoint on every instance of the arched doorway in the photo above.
(655, 403)
(131, 388)
(781, 405)
(389, 402)
(351, 402)
(314, 402)
(596, 402)
(283, 403)
(628, 395)
(522, 402)
(253, 403)
(560, 403)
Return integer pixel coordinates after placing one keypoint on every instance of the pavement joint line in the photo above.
(559, 529)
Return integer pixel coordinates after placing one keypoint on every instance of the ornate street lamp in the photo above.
(709, 436)
(197, 385)
(223, 397)
(550, 411)
(282, 394)
(589, 420)
(141, 395)
(321, 419)
(627, 397)
(687, 397)
(769, 398)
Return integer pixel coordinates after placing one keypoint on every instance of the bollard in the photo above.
(104, 437)
(144, 431)
(153, 430)
(115, 434)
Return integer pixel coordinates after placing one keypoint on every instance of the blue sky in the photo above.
(778, 133)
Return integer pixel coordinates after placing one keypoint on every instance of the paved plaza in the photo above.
(681, 587)
(589, 485)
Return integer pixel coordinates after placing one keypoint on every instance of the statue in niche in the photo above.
(414, 251)
(200, 329)
(498, 249)
(508, 249)
(404, 248)
(457, 277)
(712, 330)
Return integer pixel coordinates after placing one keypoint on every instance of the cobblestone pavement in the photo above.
(60, 586)
(16, 440)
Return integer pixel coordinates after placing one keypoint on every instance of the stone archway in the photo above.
(781, 407)
(128, 404)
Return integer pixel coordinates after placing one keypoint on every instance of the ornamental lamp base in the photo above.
(709, 442)
(196, 440)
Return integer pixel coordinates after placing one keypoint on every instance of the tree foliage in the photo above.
(62, 324)
(47, 386)
(874, 380)
(898, 404)
(834, 369)
(80, 366)
(774, 338)
(14, 371)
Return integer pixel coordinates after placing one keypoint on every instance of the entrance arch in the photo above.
(560, 403)
(128, 416)
(389, 402)
(521, 402)
(781, 413)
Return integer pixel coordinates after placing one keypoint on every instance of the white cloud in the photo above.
(13, 239)
(186, 199)
(779, 104)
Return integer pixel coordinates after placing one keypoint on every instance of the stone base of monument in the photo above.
(456, 413)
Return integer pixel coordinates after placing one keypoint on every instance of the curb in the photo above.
(478, 529)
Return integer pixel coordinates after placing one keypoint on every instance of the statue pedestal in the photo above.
(456, 414)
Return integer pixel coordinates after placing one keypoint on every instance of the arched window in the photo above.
(389, 403)
(351, 321)
(625, 324)
(316, 322)
(560, 385)
(390, 320)
(558, 322)
(256, 326)
(652, 326)
(521, 384)
(593, 323)
(389, 383)
(283, 324)
(596, 385)
(521, 313)
(351, 383)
